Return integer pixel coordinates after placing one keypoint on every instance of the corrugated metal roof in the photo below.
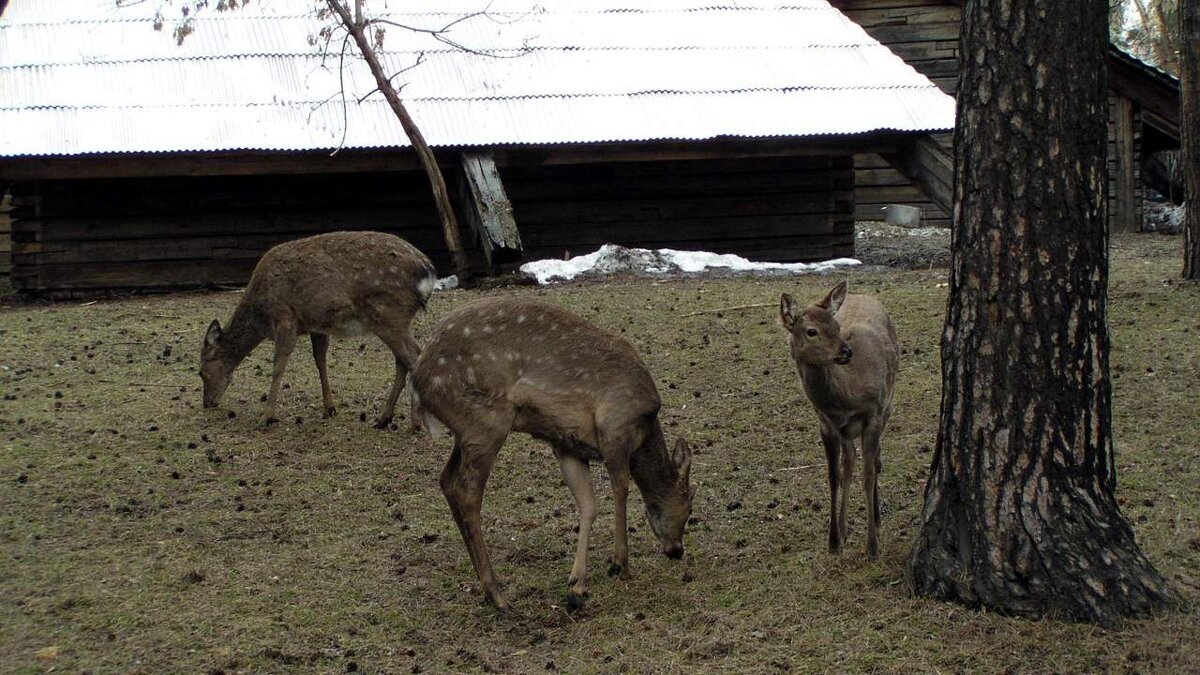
(82, 77)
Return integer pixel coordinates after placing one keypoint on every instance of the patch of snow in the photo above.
(446, 283)
(613, 259)
(1163, 218)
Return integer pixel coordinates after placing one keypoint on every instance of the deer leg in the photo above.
(406, 351)
(847, 476)
(833, 446)
(578, 478)
(320, 347)
(285, 342)
(463, 481)
(870, 446)
(619, 438)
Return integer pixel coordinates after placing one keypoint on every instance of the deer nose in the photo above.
(675, 552)
(845, 352)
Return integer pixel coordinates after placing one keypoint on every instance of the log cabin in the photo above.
(145, 153)
(1143, 109)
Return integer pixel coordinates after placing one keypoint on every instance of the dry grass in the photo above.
(140, 533)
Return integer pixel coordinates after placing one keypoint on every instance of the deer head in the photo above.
(216, 367)
(669, 508)
(813, 332)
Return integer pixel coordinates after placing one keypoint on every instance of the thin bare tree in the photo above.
(367, 34)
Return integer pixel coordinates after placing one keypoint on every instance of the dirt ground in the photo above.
(140, 533)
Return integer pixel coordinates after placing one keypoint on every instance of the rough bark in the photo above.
(355, 25)
(1189, 101)
(1020, 514)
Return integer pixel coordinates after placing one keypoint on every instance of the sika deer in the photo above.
(500, 365)
(340, 283)
(846, 351)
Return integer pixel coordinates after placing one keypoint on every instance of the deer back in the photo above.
(333, 283)
(550, 372)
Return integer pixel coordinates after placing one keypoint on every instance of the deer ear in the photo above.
(833, 301)
(213, 334)
(682, 456)
(787, 311)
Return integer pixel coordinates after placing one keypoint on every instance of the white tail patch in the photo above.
(432, 424)
(426, 285)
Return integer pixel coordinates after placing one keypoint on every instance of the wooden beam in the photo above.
(1124, 167)
(489, 211)
(402, 159)
(929, 166)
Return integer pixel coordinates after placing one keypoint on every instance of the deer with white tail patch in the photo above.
(500, 365)
(340, 284)
(847, 354)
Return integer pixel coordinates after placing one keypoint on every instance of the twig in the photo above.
(797, 468)
(729, 309)
(142, 384)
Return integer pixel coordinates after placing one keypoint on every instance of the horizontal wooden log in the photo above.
(907, 16)
(293, 224)
(946, 31)
(853, 5)
(579, 212)
(729, 229)
(525, 188)
(264, 194)
(774, 249)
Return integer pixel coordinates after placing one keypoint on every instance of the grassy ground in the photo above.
(140, 533)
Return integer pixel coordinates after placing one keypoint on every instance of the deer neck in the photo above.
(651, 468)
(247, 328)
(826, 386)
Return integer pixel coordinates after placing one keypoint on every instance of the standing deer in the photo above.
(340, 283)
(846, 351)
(500, 365)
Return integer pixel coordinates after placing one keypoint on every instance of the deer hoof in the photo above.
(330, 411)
(269, 420)
(619, 570)
(383, 422)
(575, 601)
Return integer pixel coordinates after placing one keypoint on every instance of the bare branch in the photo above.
(342, 88)
(419, 61)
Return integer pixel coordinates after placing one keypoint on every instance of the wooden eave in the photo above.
(393, 159)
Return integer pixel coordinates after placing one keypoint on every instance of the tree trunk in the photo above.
(1189, 100)
(1020, 515)
(441, 195)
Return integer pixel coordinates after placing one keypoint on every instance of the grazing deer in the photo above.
(500, 365)
(340, 283)
(846, 351)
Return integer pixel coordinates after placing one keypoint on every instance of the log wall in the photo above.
(5, 236)
(925, 34)
(139, 233)
(779, 209)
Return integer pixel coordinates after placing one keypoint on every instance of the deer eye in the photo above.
(811, 332)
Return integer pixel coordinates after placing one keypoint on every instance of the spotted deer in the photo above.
(500, 365)
(846, 352)
(340, 284)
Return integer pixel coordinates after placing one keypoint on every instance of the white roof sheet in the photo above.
(82, 76)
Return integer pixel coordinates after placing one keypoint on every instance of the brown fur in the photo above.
(340, 283)
(847, 354)
(500, 365)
